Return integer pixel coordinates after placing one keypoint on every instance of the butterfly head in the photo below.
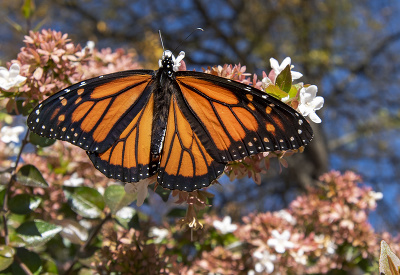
(169, 62)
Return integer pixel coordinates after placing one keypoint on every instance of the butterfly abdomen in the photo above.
(162, 99)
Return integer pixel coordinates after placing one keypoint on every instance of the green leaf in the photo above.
(2, 195)
(15, 239)
(116, 197)
(85, 201)
(284, 79)
(23, 204)
(29, 175)
(293, 92)
(73, 231)
(8, 119)
(163, 193)
(40, 141)
(49, 266)
(13, 24)
(177, 212)
(22, 107)
(37, 232)
(275, 91)
(6, 256)
(85, 271)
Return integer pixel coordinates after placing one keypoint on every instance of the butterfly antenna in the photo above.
(197, 29)
(162, 44)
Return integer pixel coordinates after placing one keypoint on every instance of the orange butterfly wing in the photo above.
(233, 120)
(185, 163)
(213, 121)
(93, 113)
(129, 159)
(110, 117)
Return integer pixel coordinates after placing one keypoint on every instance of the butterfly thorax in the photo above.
(167, 67)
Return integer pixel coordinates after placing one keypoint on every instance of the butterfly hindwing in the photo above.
(93, 113)
(234, 120)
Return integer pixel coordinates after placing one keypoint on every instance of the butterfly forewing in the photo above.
(92, 114)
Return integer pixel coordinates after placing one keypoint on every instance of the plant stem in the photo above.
(82, 249)
(4, 210)
(23, 266)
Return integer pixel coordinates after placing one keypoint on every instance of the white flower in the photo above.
(287, 216)
(265, 82)
(10, 78)
(331, 247)
(159, 233)
(90, 46)
(280, 241)
(74, 181)
(375, 195)
(225, 226)
(285, 99)
(309, 103)
(177, 61)
(325, 242)
(372, 197)
(11, 134)
(279, 68)
(299, 257)
(265, 262)
(140, 188)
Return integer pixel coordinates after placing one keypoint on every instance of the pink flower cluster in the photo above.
(49, 60)
(105, 61)
(323, 230)
(236, 72)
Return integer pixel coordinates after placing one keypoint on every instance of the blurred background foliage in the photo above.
(349, 49)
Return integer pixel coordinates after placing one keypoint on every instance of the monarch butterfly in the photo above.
(185, 126)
